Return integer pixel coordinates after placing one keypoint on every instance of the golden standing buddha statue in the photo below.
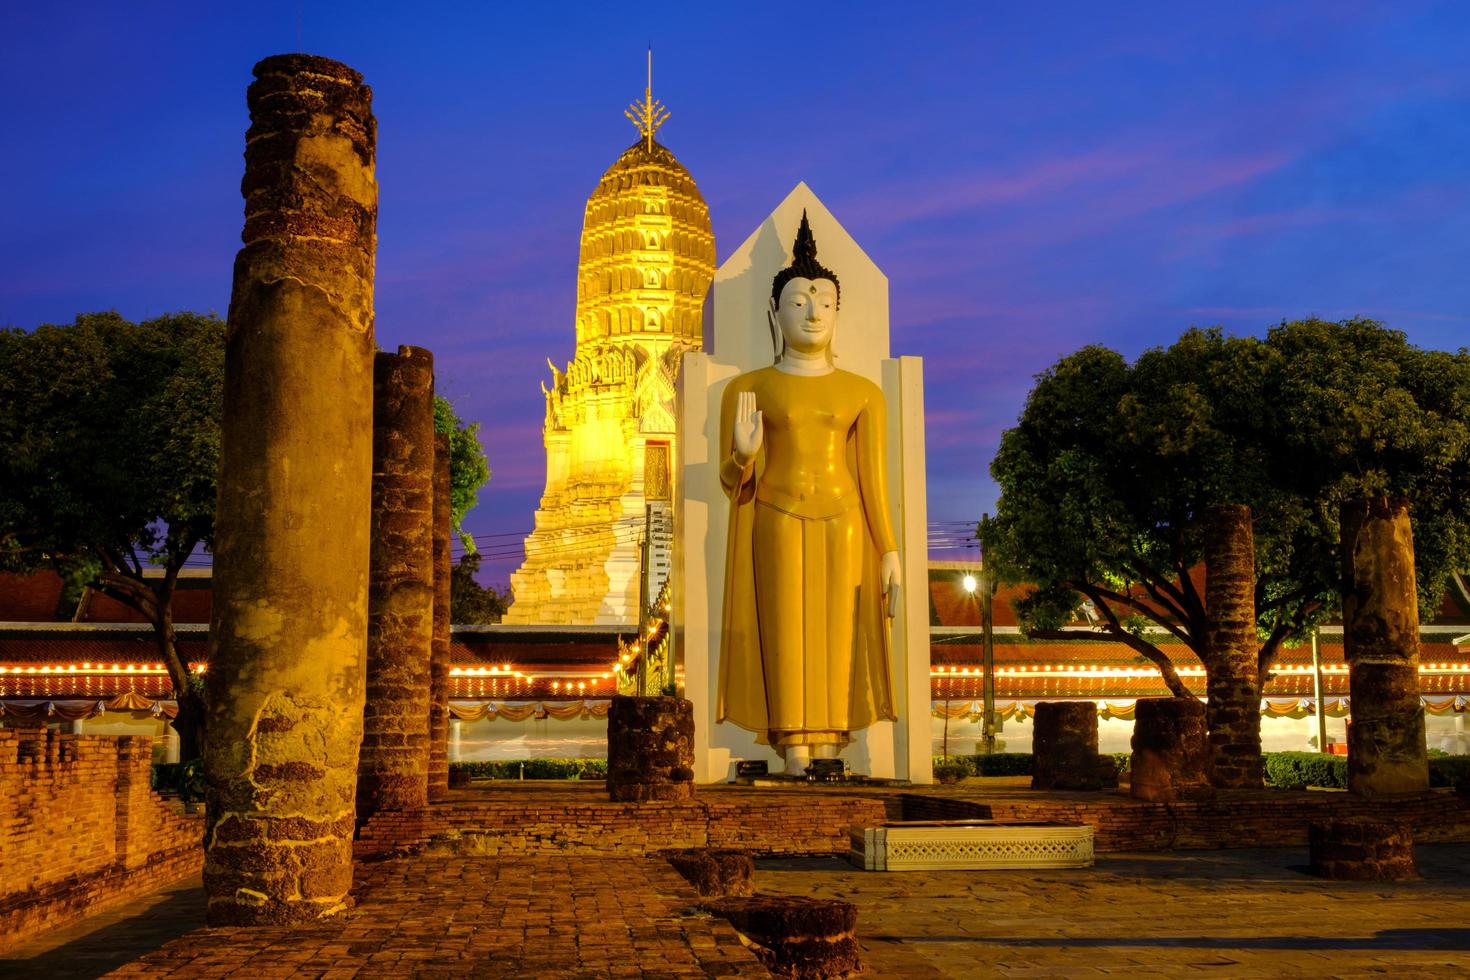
(812, 571)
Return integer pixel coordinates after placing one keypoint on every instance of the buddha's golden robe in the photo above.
(804, 649)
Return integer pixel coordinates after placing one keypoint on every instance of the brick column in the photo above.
(439, 657)
(650, 749)
(1380, 615)
(394, 770)
(1064, 746)
(291, 525)
(1233, 690)
(1171, 753)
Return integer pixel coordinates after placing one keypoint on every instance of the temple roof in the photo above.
(642, 164)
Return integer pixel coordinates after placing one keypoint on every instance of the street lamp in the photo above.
(987, 638)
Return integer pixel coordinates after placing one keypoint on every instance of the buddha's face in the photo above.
(807, 314)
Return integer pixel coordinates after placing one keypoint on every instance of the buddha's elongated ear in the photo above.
(778, 341)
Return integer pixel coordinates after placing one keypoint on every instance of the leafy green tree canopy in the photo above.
(112, 435)
(1111, 466)
(469, 601)
(468, 468)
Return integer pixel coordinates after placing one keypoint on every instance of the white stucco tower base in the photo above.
(738, 339)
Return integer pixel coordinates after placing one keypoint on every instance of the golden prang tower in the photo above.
(647, 259)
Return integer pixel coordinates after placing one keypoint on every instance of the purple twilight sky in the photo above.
(1032, 178)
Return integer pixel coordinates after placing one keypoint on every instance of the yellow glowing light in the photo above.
(647, 258)
(970, 584)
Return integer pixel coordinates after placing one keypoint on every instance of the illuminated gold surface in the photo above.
(804, 657)
(647, 258)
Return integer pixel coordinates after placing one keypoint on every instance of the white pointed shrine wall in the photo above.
(738, 338)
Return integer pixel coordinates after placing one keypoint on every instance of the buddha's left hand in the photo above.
(892, 577)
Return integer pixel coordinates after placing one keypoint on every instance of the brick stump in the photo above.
(1362, 850)
(1064, 746)
(650, 749)
(1171, 751)
(715, 874)
(794, 936)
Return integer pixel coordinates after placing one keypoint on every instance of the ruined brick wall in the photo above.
(80, 828)
(1262, 818)
(777, 824)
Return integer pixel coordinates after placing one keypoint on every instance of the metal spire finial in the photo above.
(649, 114)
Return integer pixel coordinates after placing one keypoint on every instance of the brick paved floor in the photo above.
(111, 938)
(439, 917)
(1245, 913)
(1237, 913)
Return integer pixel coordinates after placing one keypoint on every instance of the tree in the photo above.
(471, 602)
(468, 469)
(1363, 413)
(1115, 477)
(112, 433)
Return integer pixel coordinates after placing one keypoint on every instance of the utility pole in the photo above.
(1319, 702)
(987, 641)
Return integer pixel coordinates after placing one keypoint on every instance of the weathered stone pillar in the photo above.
(650, 749)
(1064, 746)
(394, 771)
(289, 627)
(1380, 628)
(1171, 752)
(1233, 689)
(439, 657)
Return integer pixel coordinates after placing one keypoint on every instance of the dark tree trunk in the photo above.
(1230, 648)
(189, 722)
(156, 604)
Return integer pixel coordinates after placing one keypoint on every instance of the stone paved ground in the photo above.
(1222, 913)
(441, 917)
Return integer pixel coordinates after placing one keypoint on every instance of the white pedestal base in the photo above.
(957, 845)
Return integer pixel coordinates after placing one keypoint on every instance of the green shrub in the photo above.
(1449, 770)
(534, 769)
(951, 769)
(165, 777)
(1298, 770)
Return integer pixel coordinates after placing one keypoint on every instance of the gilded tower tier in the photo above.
(647, 259)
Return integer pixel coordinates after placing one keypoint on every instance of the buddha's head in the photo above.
(804, 299)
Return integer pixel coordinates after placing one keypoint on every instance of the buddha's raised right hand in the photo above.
(749, 428)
